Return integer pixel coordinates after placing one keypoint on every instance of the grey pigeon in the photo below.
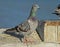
(57, 11)
(26, 28)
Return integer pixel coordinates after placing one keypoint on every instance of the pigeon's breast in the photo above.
(33, 24)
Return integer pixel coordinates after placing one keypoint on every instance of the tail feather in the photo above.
(11, 29)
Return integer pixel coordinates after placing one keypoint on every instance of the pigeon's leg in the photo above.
(28, 40)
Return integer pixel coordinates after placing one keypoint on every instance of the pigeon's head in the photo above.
(57, 10)
(35, 7)
(33, 10)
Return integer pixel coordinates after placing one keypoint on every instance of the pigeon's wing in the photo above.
(24, 26)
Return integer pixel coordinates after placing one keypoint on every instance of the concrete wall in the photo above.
(58, 35)
(52, 31)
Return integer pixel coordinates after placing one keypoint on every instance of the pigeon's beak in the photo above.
(38, 7)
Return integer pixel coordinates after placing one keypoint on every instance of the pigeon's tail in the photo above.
(12, 30)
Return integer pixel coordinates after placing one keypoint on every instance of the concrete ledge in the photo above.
(10, 41)
(31, 45)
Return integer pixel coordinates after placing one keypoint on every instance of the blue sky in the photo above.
(13, 12)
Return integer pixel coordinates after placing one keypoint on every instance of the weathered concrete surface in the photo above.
(11, 41)
(52, 31)
(6, 40)
(31, 45)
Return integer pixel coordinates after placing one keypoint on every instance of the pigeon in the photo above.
(27, 27)
(57, 11)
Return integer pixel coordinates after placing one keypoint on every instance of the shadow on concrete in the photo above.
(40, 29)
(20, 36)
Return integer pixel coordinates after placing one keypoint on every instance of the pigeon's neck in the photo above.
(33, 19)
(33, 12)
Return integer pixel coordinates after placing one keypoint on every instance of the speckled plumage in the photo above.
(57, 11)
(26, 28)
